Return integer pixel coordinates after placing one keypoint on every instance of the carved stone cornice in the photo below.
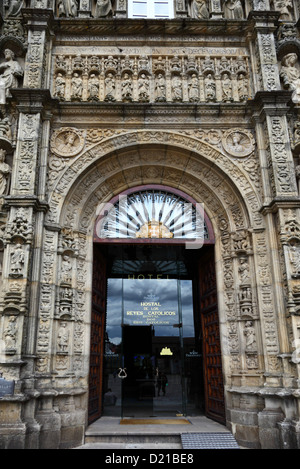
(265, 18)
(182, 115)
(33, 100)
(26, 201)
(270, 102)
(280, 203)
(178, 26)
(39, 17)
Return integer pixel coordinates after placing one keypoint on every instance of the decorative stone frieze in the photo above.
(134, 78)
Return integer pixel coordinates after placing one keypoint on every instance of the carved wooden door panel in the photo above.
(213, 374)
(97, 336)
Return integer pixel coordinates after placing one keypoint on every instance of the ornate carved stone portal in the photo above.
(199, 103)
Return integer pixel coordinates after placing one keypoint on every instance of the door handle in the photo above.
(122, 373)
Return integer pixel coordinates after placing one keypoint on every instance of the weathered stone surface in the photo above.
(96, 103)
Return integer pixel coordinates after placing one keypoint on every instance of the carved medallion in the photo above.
(238, 142)
(67, 142)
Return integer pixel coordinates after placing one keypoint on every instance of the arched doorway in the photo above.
(155, 343)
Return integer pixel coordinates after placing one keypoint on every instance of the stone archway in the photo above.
(228, 190)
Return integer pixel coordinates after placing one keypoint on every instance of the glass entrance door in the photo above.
(152, 347)
(153, 341)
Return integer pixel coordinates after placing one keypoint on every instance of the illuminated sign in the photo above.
(166, 351)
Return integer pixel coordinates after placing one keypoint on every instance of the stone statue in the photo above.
(60, 86)
(63, 338)
(160, 88)
(103, 8)
(143, 88)
(177, 88)
(17, 261)
(110, 87)
(249, 333)
(210, 88)
(127, 88)
(242, 87)
(4, 171)
(77, 87)
(67, 8)
(290, 75)
(93, 88)
(10, 71)
(284, 7)
(233, 9)
(5, 128)
(199, 9)
(14, 7)
(10, 333)
(193, 89)
(226, 88)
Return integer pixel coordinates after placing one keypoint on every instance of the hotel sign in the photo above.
(152, 311)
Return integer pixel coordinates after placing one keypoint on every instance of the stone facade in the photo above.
(92, 103)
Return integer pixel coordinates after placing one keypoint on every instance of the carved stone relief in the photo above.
(67, 142)
(152, 79)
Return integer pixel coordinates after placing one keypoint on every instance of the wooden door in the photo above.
(213, 374)
(97, 336)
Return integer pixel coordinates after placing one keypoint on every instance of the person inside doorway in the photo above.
(161, 383)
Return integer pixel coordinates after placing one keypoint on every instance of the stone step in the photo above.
(134, 438)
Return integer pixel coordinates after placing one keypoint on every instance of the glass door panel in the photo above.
(152, 314)
(113, 358)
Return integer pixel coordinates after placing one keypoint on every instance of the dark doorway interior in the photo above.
(181, 285)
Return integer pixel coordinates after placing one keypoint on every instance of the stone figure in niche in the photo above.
(110, 87)
(60, 87)
(93, 88)
(5, 128)
(249, 333)
(199, 9)
(14, 7)
(4, 172)
(63, 338)
(66, 269)
(77, 87)
(290, 75)
(244, 271)
(242, 87)
(294, 252)
(226, 88)
(143, 88)
(210, 88)
(17, 261)
(193, 89)
(10, 71)
(67, 8)
(176, 88)
(285, 7)
(233, 9)
(160, 88)
(10, 334)
(103, 8)
(127, 88)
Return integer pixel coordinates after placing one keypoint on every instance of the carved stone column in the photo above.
(280, 196)
(23, 236)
